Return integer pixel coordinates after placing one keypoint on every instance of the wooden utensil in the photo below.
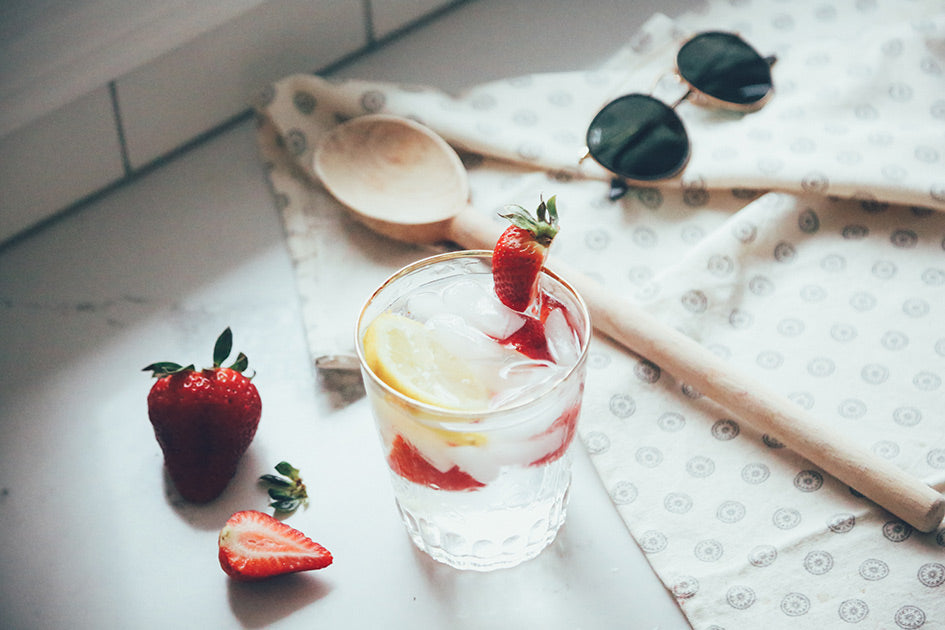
(406, 182)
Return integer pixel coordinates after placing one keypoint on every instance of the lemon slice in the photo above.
(406, 355)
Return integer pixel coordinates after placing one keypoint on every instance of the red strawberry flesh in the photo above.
(405, 460)
(254, 546)
(566, 422)
(530, 340)
(517, 262)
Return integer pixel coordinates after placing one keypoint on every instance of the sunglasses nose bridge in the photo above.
(678, 82)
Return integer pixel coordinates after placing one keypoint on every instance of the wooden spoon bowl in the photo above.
(398, 178)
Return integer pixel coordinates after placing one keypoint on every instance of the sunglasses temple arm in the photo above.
(618, 187)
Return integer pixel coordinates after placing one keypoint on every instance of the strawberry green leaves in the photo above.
(221, 351)
(286, 490)
(166, 368)
(545, 228)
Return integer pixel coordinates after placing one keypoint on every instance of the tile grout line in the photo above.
(132, 173)
(369, 23)
(119, 129)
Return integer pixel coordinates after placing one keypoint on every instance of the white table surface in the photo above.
(91, 535)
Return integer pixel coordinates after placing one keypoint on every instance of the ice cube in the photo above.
(523, 380)
(494, 318)
(472, 300)
(424, 305)
(459, 294)
(477, 461)
(562, 340)
(479, 352)
(462, 340)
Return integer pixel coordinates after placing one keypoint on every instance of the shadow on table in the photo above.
(242, 493)
(531, 592)
(261, 604)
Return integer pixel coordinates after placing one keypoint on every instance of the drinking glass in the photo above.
(486, 488)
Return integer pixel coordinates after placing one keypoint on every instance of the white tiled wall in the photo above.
(52, 51)
(56, 160)
(165, 102)
(190, 90)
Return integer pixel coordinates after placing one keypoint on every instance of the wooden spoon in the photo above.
(406, 182)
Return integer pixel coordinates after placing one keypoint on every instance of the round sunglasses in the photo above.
(641, 139)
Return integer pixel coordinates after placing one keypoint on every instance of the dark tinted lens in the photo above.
(723, 66)
(638, 137)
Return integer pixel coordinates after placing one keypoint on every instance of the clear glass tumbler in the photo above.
(481, 488)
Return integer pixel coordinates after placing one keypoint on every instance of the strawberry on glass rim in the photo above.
(520, 254)
(517, 260)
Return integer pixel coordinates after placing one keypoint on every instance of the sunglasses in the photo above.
(641, 139)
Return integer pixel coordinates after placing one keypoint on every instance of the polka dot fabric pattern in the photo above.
(804, 242)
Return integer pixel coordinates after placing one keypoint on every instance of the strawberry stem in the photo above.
(288, 470)
(544, 229)
(286, 491)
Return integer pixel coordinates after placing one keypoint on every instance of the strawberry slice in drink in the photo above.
(566, 424)
(517, 261)
(405, 460)
(530, 340)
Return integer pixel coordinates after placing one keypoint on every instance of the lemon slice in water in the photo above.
(406, 355)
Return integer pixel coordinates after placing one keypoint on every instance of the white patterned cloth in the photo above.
(831, 290)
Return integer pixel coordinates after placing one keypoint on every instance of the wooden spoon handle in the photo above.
(762, 407)
(750, 400)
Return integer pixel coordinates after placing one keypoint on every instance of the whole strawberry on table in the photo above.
(204, 420)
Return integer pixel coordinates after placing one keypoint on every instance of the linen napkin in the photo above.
(805, 242)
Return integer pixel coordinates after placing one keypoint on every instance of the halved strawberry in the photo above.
(405, 460)
(254, 546)
(520, 253)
